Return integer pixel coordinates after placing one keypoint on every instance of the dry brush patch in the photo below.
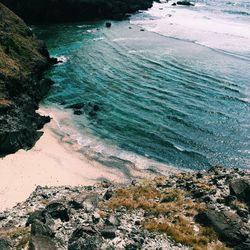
(172, 211)
(20, 236)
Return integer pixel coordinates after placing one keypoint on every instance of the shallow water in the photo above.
(162, 99)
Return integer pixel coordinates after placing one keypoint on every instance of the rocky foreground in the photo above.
(23, 59)
(203, 210)
(74, 10)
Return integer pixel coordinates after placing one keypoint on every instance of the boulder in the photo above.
(241, 189)
(78, 112)
(42, 243)
(4, 244)
(79, 105)
(39, 228)
(37, 215)
(108, 24)
(58, 210)
(84, 238)
(186, 3)
(108, 194)
(227, 225)
(109, 232)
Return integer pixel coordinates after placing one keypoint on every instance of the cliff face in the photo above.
(74, 10)
(22, 61)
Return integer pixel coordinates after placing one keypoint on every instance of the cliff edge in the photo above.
(74, 10)
(23, 59)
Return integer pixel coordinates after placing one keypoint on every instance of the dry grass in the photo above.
(150, 199)
(237, 204)
(173, 210)
(20, 236)
(182, 231)
(5, 102)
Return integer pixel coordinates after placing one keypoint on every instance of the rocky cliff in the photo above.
(74, 10)
(199, 210)
(23, 59)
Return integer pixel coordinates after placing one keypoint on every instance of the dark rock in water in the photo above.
(54, 60)
(96, 108)
(186, 3)
(79, 105)
(228, 226)
(108, 24)
(78, 112)
(92, 113)
(173, 4)
(4, 244)
(41, 243)
(109, 232)
(142, 29)
(58, 211)
(241, 189)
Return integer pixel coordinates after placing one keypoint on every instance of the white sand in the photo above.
(48, 163)
(55, 161)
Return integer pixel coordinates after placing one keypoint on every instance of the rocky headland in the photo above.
(198, 210)
(74, 10)
(23, 59)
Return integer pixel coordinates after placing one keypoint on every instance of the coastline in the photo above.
(53, 161)
(48, 163)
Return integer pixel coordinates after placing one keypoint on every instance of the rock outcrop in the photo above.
(23, 60)
(74, 10)
(164, 213)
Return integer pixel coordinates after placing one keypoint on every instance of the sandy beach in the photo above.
(56, 160)
(49, 163)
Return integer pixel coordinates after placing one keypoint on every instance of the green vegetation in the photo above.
(19, 53)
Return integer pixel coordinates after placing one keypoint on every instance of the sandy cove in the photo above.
(49, 163)
(54, 162)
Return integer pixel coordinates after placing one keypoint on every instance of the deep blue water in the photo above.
(169, 100)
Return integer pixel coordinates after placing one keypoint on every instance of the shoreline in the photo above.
(48, 163)
(53, 161)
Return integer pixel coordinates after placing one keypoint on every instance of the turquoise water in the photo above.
(172, 101)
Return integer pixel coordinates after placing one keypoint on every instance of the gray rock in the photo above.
(3, 216)
(37, 215)
(108, 194)
(39, 228)
(241, 189)
(112, 221)
(96, 217)
(42, 243)
(228, 226)
(109, 232)
(84, 238)
(58, 211)
(4, 244)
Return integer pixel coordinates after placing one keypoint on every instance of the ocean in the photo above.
(168, 87)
